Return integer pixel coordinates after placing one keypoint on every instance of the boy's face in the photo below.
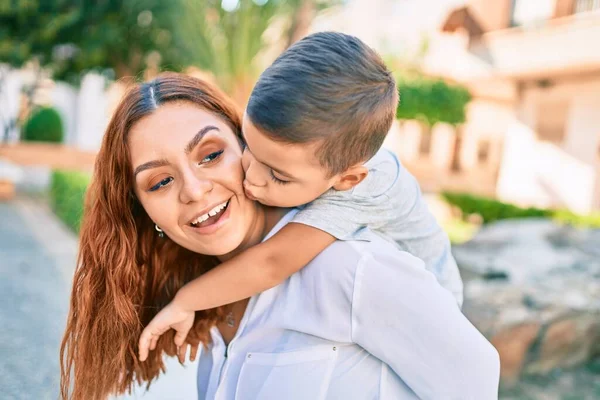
(281, 174)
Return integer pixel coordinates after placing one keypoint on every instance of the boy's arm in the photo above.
(257, 269)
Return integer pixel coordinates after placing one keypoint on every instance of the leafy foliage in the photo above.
(67, 192)
(72, 37)
(228, 40)
(45, 125)
(432, 100)
(492, 210)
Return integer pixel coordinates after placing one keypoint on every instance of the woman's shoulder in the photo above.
(344, 262)
(335, 268)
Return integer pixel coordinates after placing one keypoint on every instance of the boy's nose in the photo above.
(252, 181)
(255, 175)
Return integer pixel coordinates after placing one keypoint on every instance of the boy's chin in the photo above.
(278, 204)
(268, 203)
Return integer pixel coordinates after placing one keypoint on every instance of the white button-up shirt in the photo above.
(361, 321)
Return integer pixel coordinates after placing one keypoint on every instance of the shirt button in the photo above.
(334, 348)
(249, 355)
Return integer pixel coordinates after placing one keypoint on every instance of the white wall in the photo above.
(92, 115)
(581, 143)
(543, 174)
(10, 99)
(390, 26)
(64, 99)
(583, 126)
(583, 135)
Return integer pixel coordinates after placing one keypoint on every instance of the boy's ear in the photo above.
(351, 177)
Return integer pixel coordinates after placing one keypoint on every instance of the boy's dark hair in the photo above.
(331, 87)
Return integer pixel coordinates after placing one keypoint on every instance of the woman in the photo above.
(352, 324)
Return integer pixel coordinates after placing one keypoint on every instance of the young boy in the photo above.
(314, 126)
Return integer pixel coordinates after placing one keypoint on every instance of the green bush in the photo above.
(432, 100)
(582, 221)
(44, 125)
(492, 210)
(67, 191)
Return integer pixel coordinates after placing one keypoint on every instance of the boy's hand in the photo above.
(171, 316)
(183, 350)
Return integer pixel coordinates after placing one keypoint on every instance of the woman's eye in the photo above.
(211, 157)
(161, 184)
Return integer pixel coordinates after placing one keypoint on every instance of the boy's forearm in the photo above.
(234, 280)
(255, 270)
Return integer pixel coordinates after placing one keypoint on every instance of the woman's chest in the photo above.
(282, 364)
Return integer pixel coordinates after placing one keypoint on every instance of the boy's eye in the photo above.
(277, 180)
(161, 184)
(211, 157)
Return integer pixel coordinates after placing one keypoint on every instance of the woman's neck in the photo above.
(266, 218)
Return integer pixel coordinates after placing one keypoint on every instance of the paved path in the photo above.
(37, 258)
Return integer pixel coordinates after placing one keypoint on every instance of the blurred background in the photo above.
(499, 120)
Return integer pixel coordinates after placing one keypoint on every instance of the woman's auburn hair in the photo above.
(125, 273)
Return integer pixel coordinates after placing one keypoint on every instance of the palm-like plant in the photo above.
(226, 36)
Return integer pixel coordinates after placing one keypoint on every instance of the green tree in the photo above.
(66, 38)
(70, 37)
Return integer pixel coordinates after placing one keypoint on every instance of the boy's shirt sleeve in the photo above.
(373, 203)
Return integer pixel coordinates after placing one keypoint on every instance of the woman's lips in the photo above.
(211, 225)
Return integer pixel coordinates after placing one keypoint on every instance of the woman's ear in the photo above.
(351, 177)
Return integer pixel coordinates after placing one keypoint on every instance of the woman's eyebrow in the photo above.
(150, 165)
(198, 137)
(188, 149)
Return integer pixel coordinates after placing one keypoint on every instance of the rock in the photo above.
(502, 249)
(567, 343)
(534, 291)
(512, 345)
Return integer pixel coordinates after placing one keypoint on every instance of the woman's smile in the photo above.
(210, 221)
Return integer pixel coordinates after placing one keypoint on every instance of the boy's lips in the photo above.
(249, 194)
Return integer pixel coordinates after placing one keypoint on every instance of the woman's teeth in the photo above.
(211, 213)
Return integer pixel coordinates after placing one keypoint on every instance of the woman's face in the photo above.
(188, 176)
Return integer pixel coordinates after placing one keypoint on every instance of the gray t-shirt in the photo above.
(389, 202)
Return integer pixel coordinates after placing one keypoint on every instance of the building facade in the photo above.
(532, 134)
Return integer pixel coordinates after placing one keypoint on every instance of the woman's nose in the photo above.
(194, 188)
